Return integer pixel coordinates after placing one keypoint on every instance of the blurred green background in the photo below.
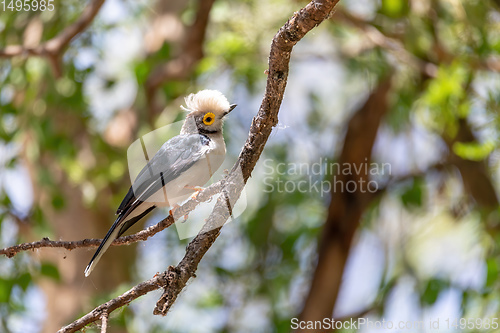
(425, 244)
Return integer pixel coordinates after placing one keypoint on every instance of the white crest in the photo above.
(205, 101)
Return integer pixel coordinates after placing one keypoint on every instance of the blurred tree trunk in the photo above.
(475, 176)
(73, 222)
(346, 208)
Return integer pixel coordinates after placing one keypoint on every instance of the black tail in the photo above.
(116, 230)
(106, 242)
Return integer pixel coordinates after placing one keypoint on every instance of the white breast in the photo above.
(198, 175)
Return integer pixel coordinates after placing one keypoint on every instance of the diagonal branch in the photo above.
(116, 303)
(174, 279)
(279, 58)
(53, 48)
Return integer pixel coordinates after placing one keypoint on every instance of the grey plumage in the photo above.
(183, 162)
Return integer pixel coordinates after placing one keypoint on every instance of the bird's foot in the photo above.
(197, 190)
(172, 211)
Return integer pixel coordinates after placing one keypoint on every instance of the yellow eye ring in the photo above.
(209, 118)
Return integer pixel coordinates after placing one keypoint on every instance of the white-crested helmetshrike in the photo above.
(178, 169)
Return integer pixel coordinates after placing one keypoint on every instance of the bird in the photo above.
(180, 167)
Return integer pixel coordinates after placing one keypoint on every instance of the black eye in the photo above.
(208, 119)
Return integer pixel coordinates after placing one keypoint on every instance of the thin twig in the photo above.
(53, 48)
(104, 322)
(376, 38)
(139, 290)
(142, 235)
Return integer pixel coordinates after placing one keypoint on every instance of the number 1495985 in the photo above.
(26, 5)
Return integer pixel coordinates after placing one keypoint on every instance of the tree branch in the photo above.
(139, 290)
(279, 58)
(104, 322)
(396, 46)
(53, 48)
(392, 45)
(142, 235)
(174, 279)
(89, 242)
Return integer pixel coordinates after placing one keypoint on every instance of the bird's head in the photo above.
(207, 109)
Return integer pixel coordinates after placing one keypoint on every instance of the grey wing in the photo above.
(172, 159)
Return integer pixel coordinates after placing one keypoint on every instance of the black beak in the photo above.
(231, 108)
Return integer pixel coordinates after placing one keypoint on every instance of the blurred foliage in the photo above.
(61, 124)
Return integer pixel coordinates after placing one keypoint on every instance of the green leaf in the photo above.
(412, 197)
(394, 8)
(5, 200)
(142, 70)
(473, 151)
(58, 201)
(5, 290)
(24, 280)
(493, 270)
(51, 271)
(432, 290)
(211, 300)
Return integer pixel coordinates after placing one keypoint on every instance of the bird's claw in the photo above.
(197, 190)
(174, 208)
